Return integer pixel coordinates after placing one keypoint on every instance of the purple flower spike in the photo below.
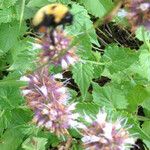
(43, 88)
(59, 54)
(104, 135)
(138, 13)
(56, 118)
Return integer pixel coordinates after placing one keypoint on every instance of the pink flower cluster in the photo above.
(138, 13)
(105, 135)
(61, 53)
(48, 99)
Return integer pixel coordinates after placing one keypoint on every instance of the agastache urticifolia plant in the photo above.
(60, 53)
(48, 99)
(103, 134)
(138, 13)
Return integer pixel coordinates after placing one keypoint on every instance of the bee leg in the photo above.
(63, 26)
(52, 36)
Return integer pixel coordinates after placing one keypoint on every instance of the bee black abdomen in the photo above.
(68, 18)
(48, 21)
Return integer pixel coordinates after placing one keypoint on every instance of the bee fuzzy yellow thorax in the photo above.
(57, 10)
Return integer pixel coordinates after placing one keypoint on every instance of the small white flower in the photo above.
(144, 6)
(81, 126)
(64, 64)
(24, 78)
(74, 116)
(25, 92)
(122, 13)
(70, 59)
(88, 119)
(89, 139)
(51, 47)
(101, 117)
(35, 79)
(108, 130)
(43, 89)
(45, 111)
(63, 90)
(48, 124)
(36, 46)
(40, 123)
(72, 106)
(86, 139)
(58, 76)
(129, 141)
(94, 138)
(73, 123)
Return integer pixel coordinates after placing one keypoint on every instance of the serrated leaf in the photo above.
(144, 60)
(23, 52)
(146, 127)
(142, 34)
(146, 104)
(64, 1)
(20, 116)
(34, 143)
(109, 96)
(5, 15)
(10, 97)
(87, 107)
(98, 8)
(38, 3)
(11, 139)
(5, 120)
(136, 96)
(82, 19)
(119, 58)
(9, 34)
(13, 83)
(83, 74)
(7, 3)
(85, 47)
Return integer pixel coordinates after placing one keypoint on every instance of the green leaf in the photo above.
(136, 96)
(109, 96)
(5, 120)
(34, 143)
(7, 3)
(10, 97)
(5, 15)
(53, 140)
(84, 47)
(64, 1)
(11, 139)
(98, 8)
(22, 53)
(146, 127)
(142, 34)
(38, 3)
(9, 34)
(13, 83)
(144, 60)
(83, 74)
(87, 107)
(82, 19)
(20, 116)
(119, 58)
(146, 104)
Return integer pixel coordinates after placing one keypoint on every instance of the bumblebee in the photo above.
(52, 15)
